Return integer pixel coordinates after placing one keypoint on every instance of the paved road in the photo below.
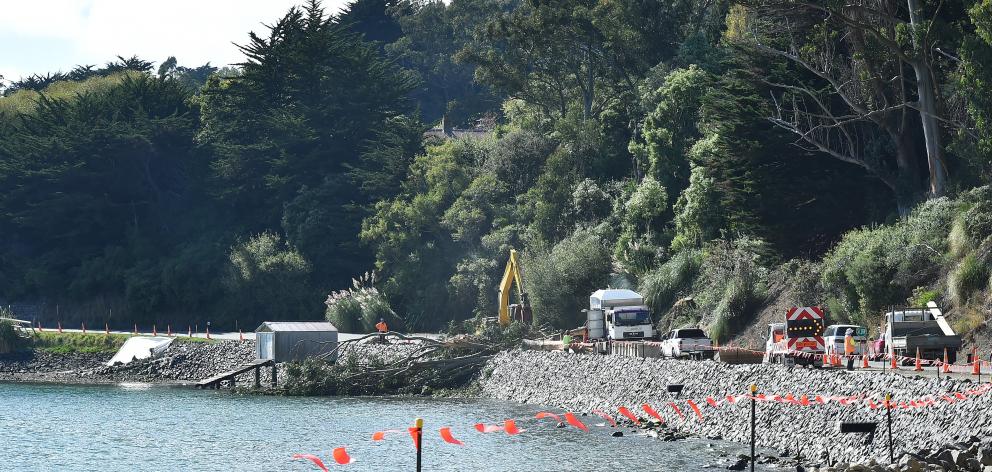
(231, 336)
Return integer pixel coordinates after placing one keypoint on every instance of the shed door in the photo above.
(266, 348)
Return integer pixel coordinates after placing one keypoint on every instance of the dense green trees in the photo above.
(690, 148)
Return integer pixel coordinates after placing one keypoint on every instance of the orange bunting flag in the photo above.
(510, 426)
(487, 428)
(341, 456)
(545, 414)
(712, 402)
(312, 458)
(676, 408)
(416, 435)
(448, 438)
(572, 420)
(607, 417)
(625, 412)
(732, 399)
(380, 435)
(647, 409)
(804, 400)
(695, 408)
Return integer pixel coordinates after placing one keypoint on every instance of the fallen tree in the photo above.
(403, 365)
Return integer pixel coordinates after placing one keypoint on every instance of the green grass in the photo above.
(66, 343)
(69, 343)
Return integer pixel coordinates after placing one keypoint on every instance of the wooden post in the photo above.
(233, 381)
(274, 375)
(258, 380)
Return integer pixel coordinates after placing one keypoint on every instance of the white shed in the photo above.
(285, 341)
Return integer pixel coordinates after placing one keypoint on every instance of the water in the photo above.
(141, 427)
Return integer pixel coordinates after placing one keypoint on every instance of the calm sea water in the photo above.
(144, 428)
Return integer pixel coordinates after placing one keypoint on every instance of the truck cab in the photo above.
(629, 322)
(624, 313)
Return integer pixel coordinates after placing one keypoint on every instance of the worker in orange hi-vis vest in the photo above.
(383, 329)
(849, 348)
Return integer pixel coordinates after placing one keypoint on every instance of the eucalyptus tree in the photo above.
(861, 77)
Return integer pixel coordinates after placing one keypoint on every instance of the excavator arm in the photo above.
(510, 276)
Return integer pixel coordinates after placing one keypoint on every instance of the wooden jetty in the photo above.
(215, 381)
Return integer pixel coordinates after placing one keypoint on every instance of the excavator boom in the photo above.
(511, 276)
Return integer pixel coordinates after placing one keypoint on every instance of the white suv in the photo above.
(833, 339)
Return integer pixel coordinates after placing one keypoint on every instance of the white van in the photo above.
(833, 339)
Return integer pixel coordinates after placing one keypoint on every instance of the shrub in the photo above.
(359, 308)
(10, 339)
(270, 279)
(559, 280)
(969, 276)
(743, 288)
(922, 296)
(874, 267)
(664, 285)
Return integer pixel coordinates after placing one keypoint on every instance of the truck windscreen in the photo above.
(632, 318)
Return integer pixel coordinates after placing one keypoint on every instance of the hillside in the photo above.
(726, 158)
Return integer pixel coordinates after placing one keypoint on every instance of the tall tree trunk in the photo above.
(927, 106)
(931, 129)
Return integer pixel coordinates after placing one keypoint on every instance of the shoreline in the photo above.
(579, 382)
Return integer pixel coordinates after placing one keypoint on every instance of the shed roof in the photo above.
(273, 326)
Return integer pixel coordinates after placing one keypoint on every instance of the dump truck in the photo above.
(799, 339)
(625, 314)
(926, 329)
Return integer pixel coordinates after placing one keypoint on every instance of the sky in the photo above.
(42, 36)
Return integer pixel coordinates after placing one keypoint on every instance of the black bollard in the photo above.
(419, 430)
(888, 414)
(754, 391)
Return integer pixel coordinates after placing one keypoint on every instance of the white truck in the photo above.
(625, 313)
(908, 330)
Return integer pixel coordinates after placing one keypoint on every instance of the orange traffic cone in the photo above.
(864, 362)
(919, 364)
(947, 365)
(893, 358)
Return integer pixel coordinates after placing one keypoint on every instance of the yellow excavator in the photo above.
(516, 312)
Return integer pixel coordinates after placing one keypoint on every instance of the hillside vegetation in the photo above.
(726, 158)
